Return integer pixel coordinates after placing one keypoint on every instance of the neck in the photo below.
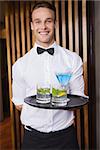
(45, 45)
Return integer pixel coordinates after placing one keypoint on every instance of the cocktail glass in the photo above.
(59, 93)
(43, 93)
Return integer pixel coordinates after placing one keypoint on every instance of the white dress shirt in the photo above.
(31, 69)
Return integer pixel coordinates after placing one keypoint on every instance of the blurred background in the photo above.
(78, 29)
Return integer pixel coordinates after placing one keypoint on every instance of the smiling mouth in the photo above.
(44, 33)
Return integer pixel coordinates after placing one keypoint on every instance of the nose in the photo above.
(43, 25)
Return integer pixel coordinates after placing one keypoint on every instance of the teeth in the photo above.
(43, 33)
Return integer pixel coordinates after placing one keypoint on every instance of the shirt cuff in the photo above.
(79, 94)
(17, 101)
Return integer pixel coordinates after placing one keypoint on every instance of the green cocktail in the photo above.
(43, 91)
(43, 94)
(58, 92)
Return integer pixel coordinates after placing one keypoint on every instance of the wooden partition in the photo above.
(71, 33)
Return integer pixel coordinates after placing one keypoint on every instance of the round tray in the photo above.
(75, 102)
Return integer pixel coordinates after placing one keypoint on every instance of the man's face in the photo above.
(43, 25)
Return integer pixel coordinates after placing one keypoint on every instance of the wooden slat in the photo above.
(70, 25)
(9, 73)
(78, 115)
(22, 27)
(17, 30)
(76, 27)
(84, 30)
(28, 26)
(63, 25)
(57, 22)
(18, 55)
(18, 133)
(12, 34)
(78, 121)
(33, 38)
(1, 95)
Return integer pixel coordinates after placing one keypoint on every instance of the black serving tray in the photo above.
(75, 102)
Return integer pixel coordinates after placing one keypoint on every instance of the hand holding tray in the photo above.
(75, 102)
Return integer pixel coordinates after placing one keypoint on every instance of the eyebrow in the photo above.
(40, 19)
(36, 19)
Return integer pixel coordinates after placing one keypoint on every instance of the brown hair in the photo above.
(45, 4)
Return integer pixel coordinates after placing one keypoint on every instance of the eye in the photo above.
(49, 21)
(37, 22)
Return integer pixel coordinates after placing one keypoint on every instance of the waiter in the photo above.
(46, 129)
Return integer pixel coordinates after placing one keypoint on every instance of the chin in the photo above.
(45, 41)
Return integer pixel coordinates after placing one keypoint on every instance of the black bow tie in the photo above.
(41, 50)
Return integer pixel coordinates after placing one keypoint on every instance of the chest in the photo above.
(44, 69)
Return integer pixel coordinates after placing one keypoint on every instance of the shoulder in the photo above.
(22, 61)
(68, 54)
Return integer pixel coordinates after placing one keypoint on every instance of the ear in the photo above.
(32, 26)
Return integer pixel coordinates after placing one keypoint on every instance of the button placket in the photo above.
(47, 68)
(50, 121)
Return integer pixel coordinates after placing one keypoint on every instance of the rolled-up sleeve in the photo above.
(18, 84)
(77, 81)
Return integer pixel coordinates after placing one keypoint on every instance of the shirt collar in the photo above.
(54, 45)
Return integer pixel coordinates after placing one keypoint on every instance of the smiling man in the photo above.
(43, 23)
(46, 129)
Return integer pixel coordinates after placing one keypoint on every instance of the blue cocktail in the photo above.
(59, 93)
(63, 78)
